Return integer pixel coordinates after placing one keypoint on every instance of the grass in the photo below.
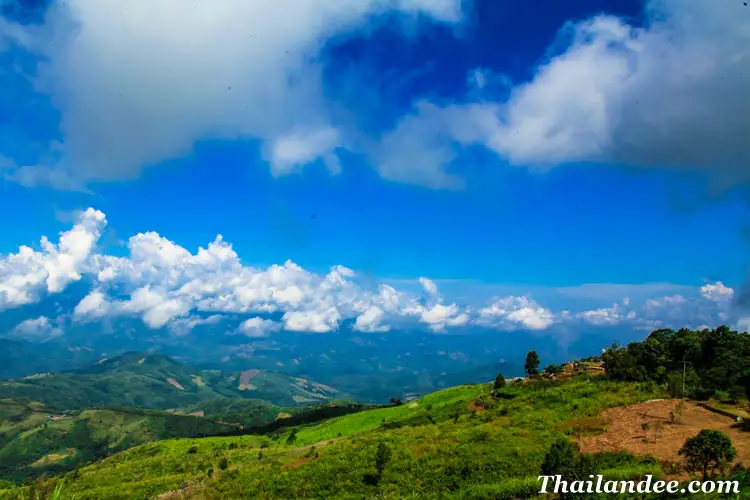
(440, 449)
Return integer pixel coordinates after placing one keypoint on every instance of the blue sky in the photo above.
(499, 148)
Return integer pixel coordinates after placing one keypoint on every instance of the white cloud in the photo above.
(27, 273)
(39, 329)
(515, 313)
(429, 286)
(673, 300)
(165, 285)
(135, 88)
(717, 292)
(92, 307)
(606, 316)
(671, 94)
(299, 149)
(318, 321)
(369, 320)
(440, 316)
(258, 327)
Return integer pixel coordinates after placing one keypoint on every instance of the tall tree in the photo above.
(532, 364)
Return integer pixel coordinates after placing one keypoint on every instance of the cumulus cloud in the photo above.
(92, 307)
(27, 273)
(132, 93)
(38, 329)
(516, 313)
(168, 286)
(257, 327)
(607, 316)
(717, 292)
(668, 94)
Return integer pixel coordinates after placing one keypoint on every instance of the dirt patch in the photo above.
(476, 406)
(656, 428)
(298, 462)
(317, 445)
(245, 378)
(189, 491)
(175, 383)
(54, 457)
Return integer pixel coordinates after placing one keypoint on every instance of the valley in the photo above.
(619, 416)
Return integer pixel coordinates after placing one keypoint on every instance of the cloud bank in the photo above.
(131, 94)
(168, 287)
(669, 94)
(141, 82)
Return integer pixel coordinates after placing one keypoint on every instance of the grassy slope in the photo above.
(158, 382)
(31, 444)
(440, 447)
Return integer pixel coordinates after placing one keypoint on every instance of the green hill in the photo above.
(36, 439)
(158, 382)
(462, 442)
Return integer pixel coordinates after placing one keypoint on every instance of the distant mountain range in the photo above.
(18, 359)
(155, 381)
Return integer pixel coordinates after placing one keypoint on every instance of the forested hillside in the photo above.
(713, 362)
(157, 382)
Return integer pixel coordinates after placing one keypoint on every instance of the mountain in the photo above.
(37, 439)
(18, 359)
(461, 442)
(158, 382)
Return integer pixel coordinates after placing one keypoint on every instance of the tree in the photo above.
(707, 452)
(532, 364)
(499, 381)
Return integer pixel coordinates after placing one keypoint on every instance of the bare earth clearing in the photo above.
(649, 429)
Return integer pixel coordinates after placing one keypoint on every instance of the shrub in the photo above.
(223, 463)
(382, 457)
(292, 437)
(560, 458)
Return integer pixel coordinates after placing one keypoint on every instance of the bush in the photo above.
(560, 458)
(292, 437)
(223, 463)
(192, 450)
(382, 457)
(564, 459)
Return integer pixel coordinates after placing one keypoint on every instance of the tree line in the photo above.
(701, 363)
